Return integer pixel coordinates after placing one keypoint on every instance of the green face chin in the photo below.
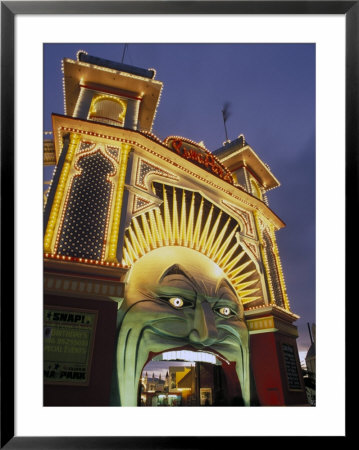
(177, 297)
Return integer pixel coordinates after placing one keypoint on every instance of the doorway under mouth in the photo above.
(189, 378)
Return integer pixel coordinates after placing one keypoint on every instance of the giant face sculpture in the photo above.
(178, 297)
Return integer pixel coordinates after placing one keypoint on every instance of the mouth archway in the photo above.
(189, 377)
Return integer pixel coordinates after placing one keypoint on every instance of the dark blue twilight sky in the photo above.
(271, 89)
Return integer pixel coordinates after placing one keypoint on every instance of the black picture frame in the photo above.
(9, 9)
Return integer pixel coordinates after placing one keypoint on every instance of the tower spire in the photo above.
(124, 51)
(225, 114)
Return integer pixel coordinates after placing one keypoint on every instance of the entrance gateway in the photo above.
(187, 378)
(164, 246)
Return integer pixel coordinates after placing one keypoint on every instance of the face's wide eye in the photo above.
(175, 299)
(225, 311)
(176, 302)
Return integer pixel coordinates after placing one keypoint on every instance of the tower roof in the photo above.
(120, 67)
(238, 153)
(114, 78)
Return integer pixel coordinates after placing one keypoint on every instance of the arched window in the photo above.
(108, 109)
(84, 227)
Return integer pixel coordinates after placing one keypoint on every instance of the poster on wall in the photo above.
(68, 344)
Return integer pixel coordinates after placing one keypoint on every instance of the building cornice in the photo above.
(98, 132)
(274, 310)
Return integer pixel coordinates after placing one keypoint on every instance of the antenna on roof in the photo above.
(123, 53)
(226, 114)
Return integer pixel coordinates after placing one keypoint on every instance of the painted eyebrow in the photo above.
(177, 270)
(225, 284)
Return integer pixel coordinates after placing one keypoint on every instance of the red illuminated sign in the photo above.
(200, 156)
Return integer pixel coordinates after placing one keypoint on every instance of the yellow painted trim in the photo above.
(60, 190)
(264, 259)
(280, 271)
(261, 324)
(267, 330)
(256, 188)
(125, 151)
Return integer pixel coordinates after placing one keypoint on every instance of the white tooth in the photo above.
(190, 356)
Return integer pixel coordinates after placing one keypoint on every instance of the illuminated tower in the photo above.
(274, 354)
(105, 104)
(121, 196)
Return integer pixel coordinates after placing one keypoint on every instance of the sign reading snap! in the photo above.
(68, 342)
(199, 155)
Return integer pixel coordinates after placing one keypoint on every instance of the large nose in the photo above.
(204, 329)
